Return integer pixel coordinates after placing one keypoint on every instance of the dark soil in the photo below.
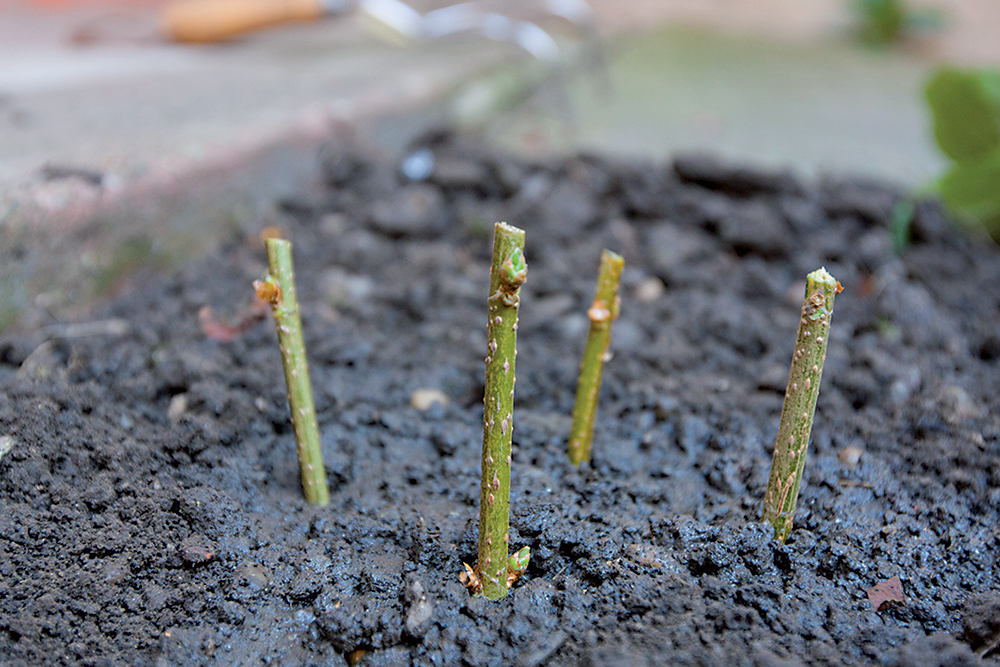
(151, 511)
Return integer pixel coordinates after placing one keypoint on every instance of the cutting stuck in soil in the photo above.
(152, 508)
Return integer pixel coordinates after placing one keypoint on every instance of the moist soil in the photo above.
(151, 508)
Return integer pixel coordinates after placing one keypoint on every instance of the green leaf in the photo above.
(966, 109)
(899, 224)
(973, 187)
(973, 183)
(882, 20)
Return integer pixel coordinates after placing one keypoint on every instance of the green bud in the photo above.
(517, 563)
(515, 269)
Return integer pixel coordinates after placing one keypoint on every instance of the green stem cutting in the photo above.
(507, 273)
(800, 403)
(278, 290)
(602, 313)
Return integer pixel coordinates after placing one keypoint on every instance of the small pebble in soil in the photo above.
(423, 399)
(6, 444)
(421, 609)
(178, 406)
(197, 549)
(850, 455)
(115, 571)
(649, 290)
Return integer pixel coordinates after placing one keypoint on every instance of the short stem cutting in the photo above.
(278, 290)
(507, 273)
(800, 402)
(602, 313)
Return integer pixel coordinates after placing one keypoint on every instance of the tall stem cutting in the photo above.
(800, 402)
(508, 272)
(278, 290)
(603, 311)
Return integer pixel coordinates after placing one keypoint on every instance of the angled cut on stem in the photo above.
(800, 403)
(507, 273)
(602, 313)
(278, 290)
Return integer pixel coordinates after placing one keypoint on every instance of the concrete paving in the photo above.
(119, 150)
(131, 141)
(781, 82)
(827, 106)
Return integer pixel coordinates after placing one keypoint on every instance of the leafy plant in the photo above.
(884, 22)
(966, 108)
(800, 402)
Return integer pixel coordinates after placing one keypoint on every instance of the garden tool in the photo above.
(497, 20)
(219, 20)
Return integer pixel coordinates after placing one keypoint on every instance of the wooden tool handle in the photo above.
(218, 20)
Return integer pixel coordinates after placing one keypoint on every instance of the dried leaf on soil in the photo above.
(886, 594)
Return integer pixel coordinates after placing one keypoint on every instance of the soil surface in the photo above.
(151, 509)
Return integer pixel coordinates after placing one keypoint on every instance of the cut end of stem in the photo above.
(821, 278)
(821, 275)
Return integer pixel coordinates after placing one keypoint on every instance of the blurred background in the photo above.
(175, 122)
